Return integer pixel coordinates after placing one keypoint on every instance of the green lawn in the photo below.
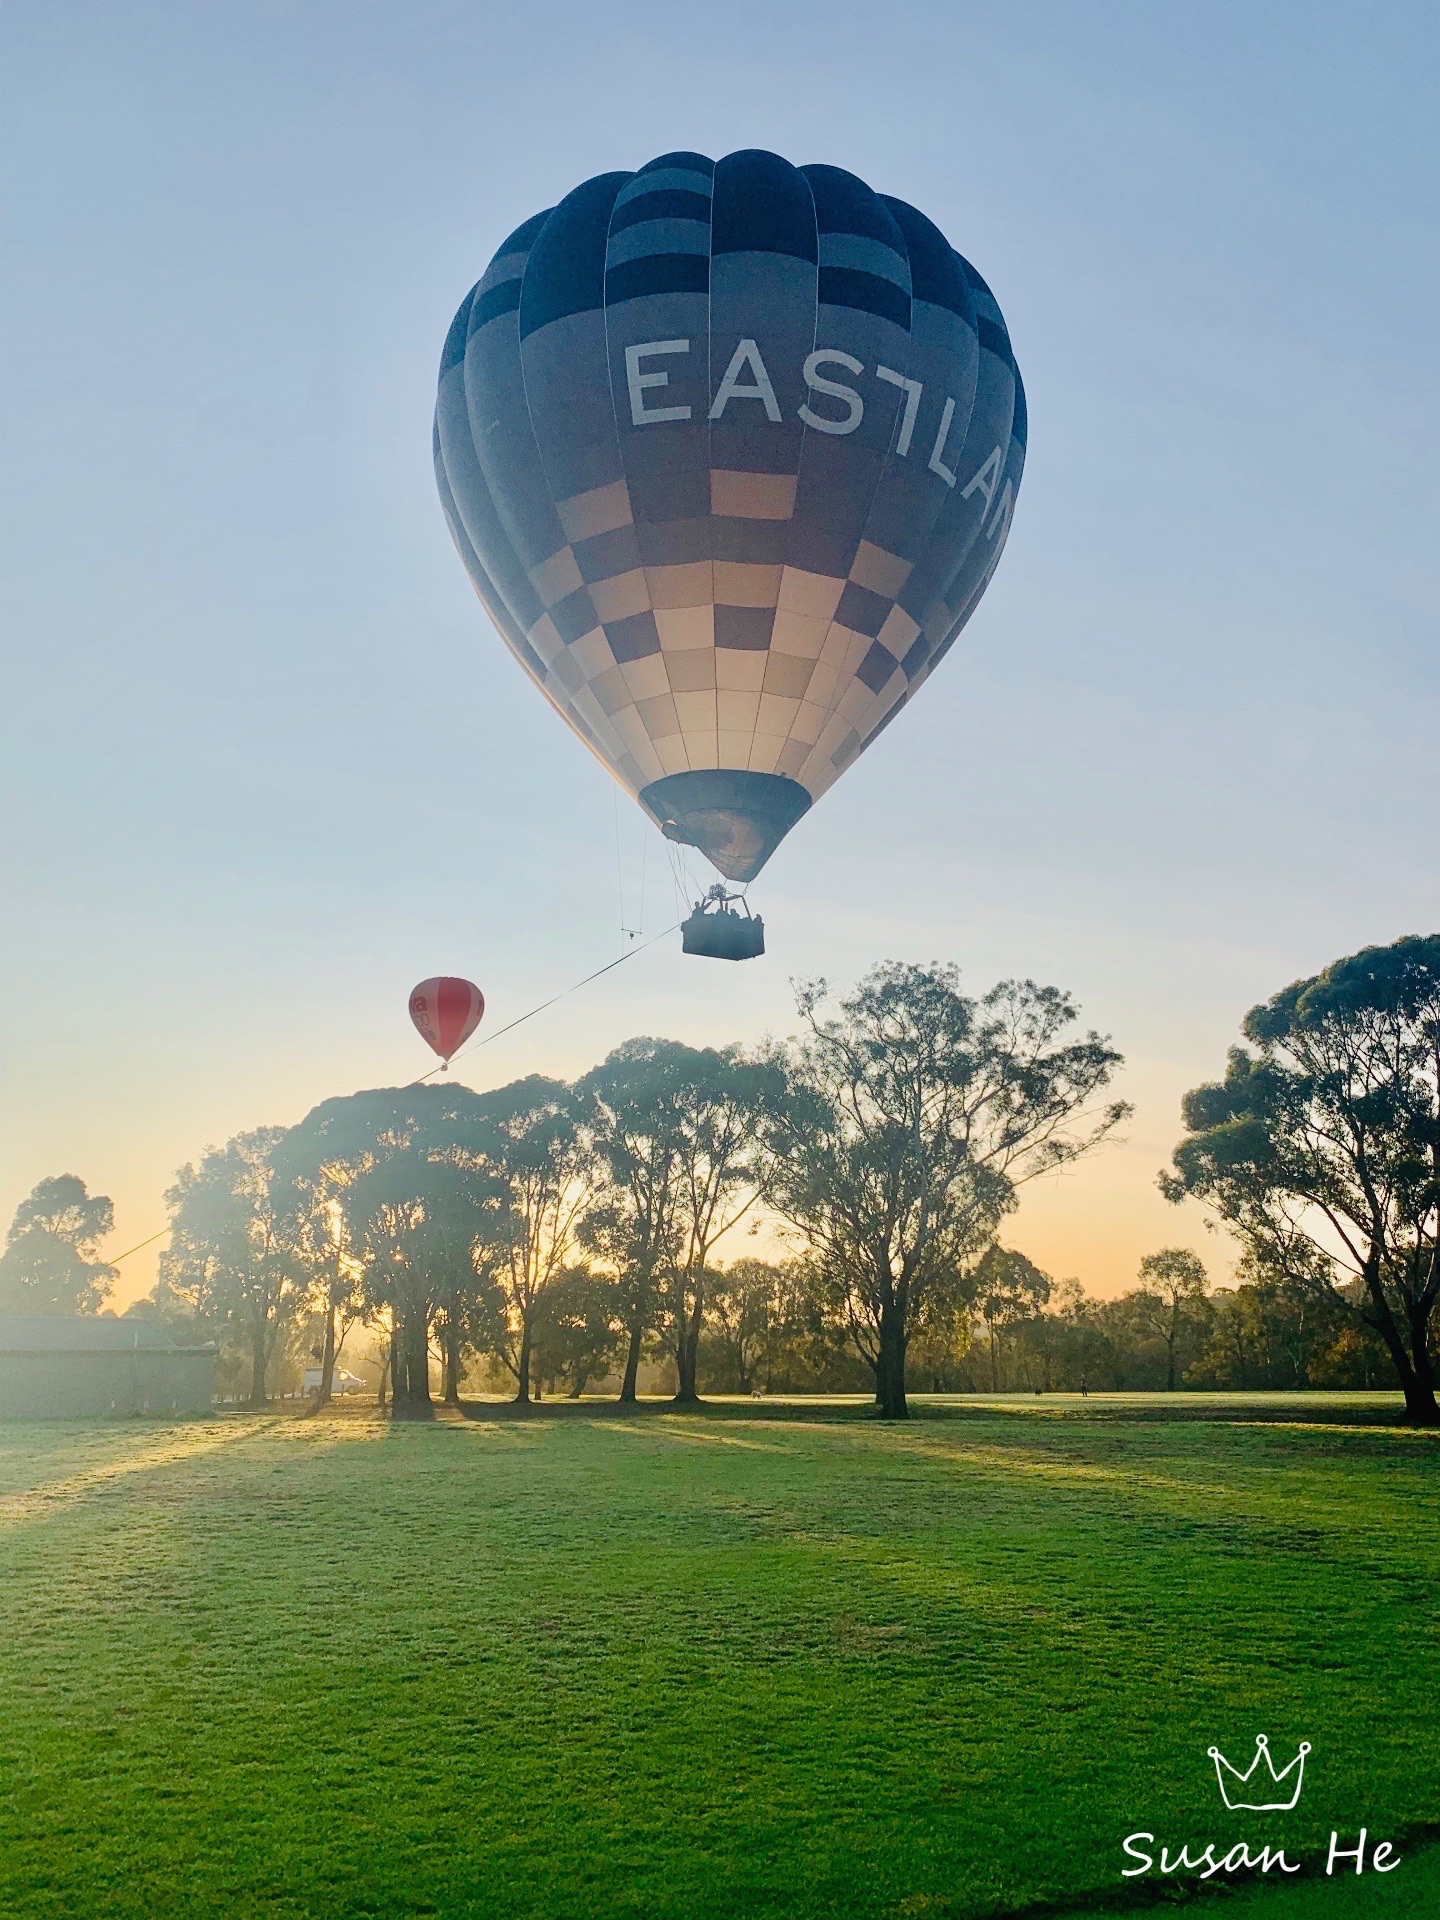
(764, 1660)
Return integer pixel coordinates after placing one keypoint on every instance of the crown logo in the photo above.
(1293, 1775)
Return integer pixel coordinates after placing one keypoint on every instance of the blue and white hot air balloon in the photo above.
(730, 450)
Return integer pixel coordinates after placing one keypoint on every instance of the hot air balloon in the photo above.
(446, 1011)
(730, 450)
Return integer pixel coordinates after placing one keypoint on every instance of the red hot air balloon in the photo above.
(446, 1012)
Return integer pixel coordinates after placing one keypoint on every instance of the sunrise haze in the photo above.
(268, 765)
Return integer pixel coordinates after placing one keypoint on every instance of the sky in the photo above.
(266, 765)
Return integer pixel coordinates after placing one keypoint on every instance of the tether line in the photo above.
(140, 1245)
(114, 1257)
(565, 993)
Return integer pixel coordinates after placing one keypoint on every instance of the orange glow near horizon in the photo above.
(1092, 1223)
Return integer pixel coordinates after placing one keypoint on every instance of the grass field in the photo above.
(762, 1660)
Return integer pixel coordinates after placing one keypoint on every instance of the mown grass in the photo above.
(755, 1661)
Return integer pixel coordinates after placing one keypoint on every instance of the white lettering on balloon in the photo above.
(936, 464)
(912, 390)
(640, 414)
(814, 379)
(747, 354)
(1003, 514)
(986, 480)
(748, 378)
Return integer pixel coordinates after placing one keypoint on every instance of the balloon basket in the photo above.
(719, 933)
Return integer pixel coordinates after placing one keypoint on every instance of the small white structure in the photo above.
(343, 1382)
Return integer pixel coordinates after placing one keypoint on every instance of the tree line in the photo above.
(582, 1224)
(558, 1234)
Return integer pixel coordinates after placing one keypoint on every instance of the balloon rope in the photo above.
(139, 1245)
(619, 875)
(135, 1249)
(564, 995)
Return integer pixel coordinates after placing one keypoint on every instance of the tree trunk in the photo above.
(327, 1359)
(410, 1365)
(685, 1357)
(522, 1371)
(890, 1363)
(400, 1370)
(1170, 1369)
(452, 1351)
(687, 1347)
(382, 1384)
(1420, 1401)
(420, 1363)
(1417, 1378)
(258, 1357)
(632, 1362)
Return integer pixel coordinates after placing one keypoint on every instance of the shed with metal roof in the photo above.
(60, 1366)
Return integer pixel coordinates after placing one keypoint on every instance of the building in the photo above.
(63, 1366)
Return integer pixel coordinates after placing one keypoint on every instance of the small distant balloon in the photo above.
(446, 1011)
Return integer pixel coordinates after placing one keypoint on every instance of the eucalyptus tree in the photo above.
(716, 1117)
(614, 1236)
(747, 1307)
(1176, 1281)
(470, 1230)
(544, 1154)
(676, 1133)
(1007, 1288)
(465, 1237)
(423, 1214)
(1320, 1149)
(416, 1177)
(629, 1222)
(232, 1257)
(631, 1104)
(578, 1329)
(49, 1263)
(911, 1120)
(314, 1221)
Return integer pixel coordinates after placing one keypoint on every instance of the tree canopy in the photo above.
(413, 1171)
(912, 1119)
(49, 1263)
(229, 1258)
(1320, 1148)
(1173, 1279)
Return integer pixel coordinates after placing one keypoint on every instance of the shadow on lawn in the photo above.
(1275, 1409)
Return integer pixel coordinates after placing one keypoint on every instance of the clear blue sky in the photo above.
(266, 764)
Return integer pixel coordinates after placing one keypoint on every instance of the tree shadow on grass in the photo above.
(837, 1411)
(1279, 1410)
(1314, 1410)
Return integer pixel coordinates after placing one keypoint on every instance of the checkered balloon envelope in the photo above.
(730, 450)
